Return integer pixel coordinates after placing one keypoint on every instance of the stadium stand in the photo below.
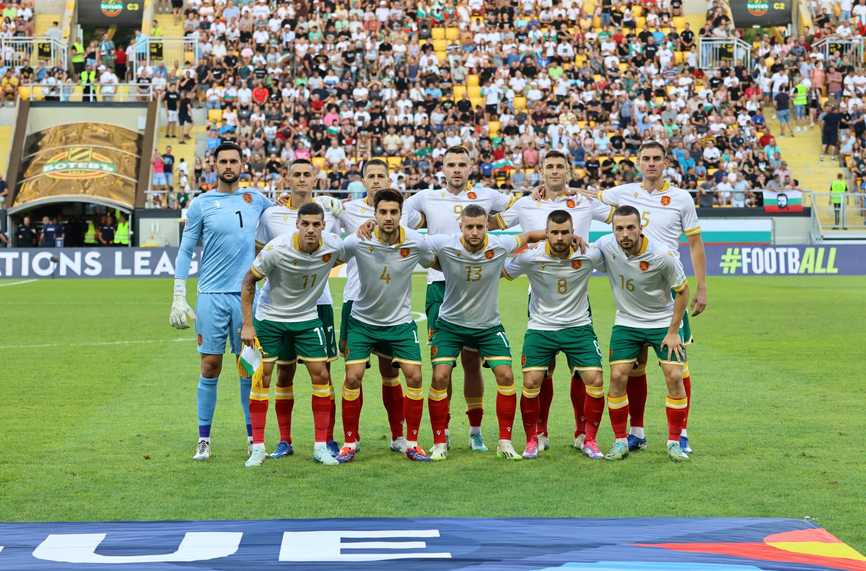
(508, 81)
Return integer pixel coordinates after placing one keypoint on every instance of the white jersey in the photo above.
(295, 279)
(666, 214)
(278, 220)
(559, 286)
(441, 210)
(532, 214)
(472, 280)
(355, 214)
(642, 284)
(385, 273)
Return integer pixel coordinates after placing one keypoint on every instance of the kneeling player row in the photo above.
(297, 266)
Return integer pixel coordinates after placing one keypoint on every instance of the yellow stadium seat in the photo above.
(476, 101)
(452, 33)
(471, 80)
(678, 58)
(394, 162)
(623, 67)
(438, 33)
(596, 22)
(618, 159)
(679, 22)
(474, 91)
(215, 115)
(637, 11)
(598, 77)
(441, 56)
(440, 45)
(712, 171)
(519, 102)
(660, 100)
(494, 127)
(319, 163)
(459, 90)
(640, 21)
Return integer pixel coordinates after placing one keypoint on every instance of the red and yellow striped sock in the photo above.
(322, 406)
(529, 405)
(636, 390)
(676, 409)
(594, 409)
(413, 405)
(283, 404)
(545, 399)
(687, 383)
(475, 410)
(351, 413)
(258, 413)
(506, 408)
(437, 404)
(392, 398)
(617, 409)
(578, 398)
(332, 414)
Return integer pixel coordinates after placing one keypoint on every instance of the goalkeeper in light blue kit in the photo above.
(225, 219)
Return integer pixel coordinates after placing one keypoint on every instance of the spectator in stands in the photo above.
(9, 85)
(4, 192)
(830, 121)
(782, 105)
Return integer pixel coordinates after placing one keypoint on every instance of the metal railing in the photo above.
(95, 93)
(733, 51)
(167, 50)
(840, 215)
(841, 46)
(18, 52)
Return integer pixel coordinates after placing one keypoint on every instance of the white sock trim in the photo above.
(637, 432)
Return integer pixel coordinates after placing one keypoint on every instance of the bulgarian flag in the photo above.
(503, 164)
(783, 201)
(250, 367)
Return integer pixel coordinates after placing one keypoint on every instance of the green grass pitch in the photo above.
(99, 421)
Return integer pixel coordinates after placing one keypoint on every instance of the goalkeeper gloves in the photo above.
(332, 204)
(180, 309)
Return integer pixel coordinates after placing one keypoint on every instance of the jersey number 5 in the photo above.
(644, 219)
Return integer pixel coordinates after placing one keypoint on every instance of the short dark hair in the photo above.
(311, 209)
(227, 146)
(301, 162)
(626, 210)
(559, 217)
(457, 150)
(388, 195)
(373, 162)
(555, 155)
(653, 145)
(473, 211)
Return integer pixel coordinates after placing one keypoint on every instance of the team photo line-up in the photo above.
(293, 245)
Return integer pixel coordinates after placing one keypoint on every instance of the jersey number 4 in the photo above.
(385, 277)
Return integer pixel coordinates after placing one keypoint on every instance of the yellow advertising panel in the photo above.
(80, 160)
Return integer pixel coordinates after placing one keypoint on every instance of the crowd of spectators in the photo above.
(510, 81)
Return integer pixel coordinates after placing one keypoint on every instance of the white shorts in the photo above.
(172, 116)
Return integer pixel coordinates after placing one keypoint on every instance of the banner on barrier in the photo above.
(92, 263)
(841, 260)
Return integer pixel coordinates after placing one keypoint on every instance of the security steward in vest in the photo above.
(121, 238)
(88, 80)
(90, 240)
(838, 189)
(77, 58)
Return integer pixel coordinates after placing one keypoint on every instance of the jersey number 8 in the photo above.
(562, 286)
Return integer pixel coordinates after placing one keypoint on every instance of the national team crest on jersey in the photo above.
(666, 200)
(576, 264)
(248, 198)
(488, 254)
(326, 258)
(199, 339)
(471, 195)
(523, 361)
(570, 203)
(433, 350)
(404, 252)
(644, 266)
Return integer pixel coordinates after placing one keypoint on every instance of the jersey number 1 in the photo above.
(240, 217)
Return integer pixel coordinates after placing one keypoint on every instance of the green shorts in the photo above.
(579, 344)
(398, 343)
(432, 302)
(326, 316)
(344, 324)
(626, 344)
(450, 339)
(286, 343)
(686, 329)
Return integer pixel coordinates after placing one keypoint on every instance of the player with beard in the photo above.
(225, 220)
(532, 214)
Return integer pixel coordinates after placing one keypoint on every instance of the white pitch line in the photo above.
(18, 283)
(93, 344)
